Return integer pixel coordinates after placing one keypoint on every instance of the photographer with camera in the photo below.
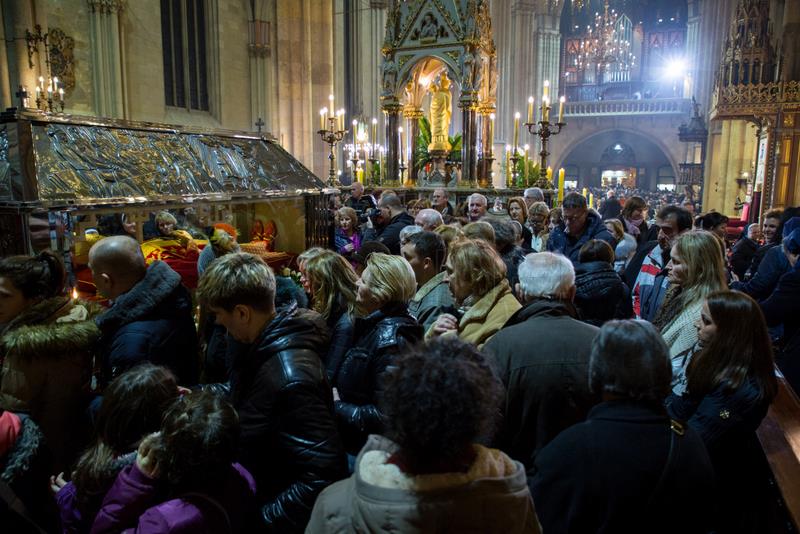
(384, 223)
(359, 201)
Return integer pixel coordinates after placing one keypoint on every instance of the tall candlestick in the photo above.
(400, 131)
(560, 185)
(546, 94)
(508, 163)
(561, 109)
(530, 110)
(491, 134)
(516, 131)
(374, 135)
(330, 103)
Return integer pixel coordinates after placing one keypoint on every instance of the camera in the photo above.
(371, 213)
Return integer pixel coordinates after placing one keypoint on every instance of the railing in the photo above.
(779, 434)
(660, 106)
(740, 101)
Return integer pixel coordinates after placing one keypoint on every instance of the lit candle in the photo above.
(530, 110)
(545, 109)
(560, 185)
(374, 135)
(491, 134)
(61, 93)
(340, 116)
(525, 162)
(584, 192)
(330, 102)
(38, 92)
(591, 200)
(561, 109)
(55, 83)
(323, 113)
(41, 83)
(546, 94)
(74, 293)
(355, 136)
(516, 131)
(549, 173)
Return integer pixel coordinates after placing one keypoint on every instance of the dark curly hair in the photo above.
(41, 276)
(439, 398)
(197, 442)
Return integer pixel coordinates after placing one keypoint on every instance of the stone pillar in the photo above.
(469, 143)
(412, 116)
(692, 44)
(487, 150)
(369, 27)
(19, 18)
(259, 48)
(392, 110)
(104, 41)
(791, 36)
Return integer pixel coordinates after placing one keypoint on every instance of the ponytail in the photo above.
(41, 276)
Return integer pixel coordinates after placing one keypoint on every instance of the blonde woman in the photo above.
(383, 329)
(696, 269)
(538, 223)
(477, 278)
(333, 289)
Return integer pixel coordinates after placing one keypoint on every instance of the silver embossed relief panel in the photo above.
(79, 162)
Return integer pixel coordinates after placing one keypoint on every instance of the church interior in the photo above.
(252, 115)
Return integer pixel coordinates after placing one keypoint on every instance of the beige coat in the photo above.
(488, 315)
(492, 497)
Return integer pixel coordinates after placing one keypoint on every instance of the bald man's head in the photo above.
(117, 265)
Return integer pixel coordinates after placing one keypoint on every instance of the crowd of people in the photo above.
(511, 368)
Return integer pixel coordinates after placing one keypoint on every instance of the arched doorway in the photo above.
(619, 158)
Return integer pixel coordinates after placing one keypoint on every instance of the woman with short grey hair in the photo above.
(628, 467)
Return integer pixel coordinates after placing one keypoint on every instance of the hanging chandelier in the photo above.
(606, 45)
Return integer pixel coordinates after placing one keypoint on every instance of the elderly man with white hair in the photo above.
(428, 219)
(532, 195)
(547, 389)
(476, 206)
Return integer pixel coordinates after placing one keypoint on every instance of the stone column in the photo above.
(104, 41)
(412, 116)
(19, 18)
(791, 35)
(369, 27)
(487, 150)
(469, 142)
(259, 48)
(391, 108)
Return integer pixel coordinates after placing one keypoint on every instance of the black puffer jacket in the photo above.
(379, 337)
(151, 322)
(289, 440)
(600, 294)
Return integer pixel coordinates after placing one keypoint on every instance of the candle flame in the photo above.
(74, 293)
(516, 115)
(562, 99)
(530, 100)
(374, 121)
(491, 116)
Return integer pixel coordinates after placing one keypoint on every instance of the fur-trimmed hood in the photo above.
(20, 459)
(53, 328)
(157, 286)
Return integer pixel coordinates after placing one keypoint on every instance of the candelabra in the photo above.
(514, 170)
(402, 168)
(332, 135)
(544, 131)
(44, 93)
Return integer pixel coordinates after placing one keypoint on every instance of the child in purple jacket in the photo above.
(131, 409)
(184, 478)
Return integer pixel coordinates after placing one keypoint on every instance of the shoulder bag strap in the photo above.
(677, 430)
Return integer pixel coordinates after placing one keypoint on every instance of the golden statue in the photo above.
(441, 109)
